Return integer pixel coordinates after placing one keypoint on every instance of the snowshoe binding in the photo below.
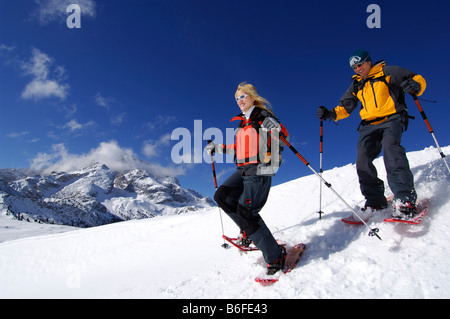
(243, 240)
(405, 210)
(278, 264)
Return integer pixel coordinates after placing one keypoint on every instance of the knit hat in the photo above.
(359, 56)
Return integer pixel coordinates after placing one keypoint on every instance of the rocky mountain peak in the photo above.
(93, 195)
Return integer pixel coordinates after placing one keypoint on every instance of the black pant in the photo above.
(242, 198)
(372, 139)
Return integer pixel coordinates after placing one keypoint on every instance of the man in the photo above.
(381, 90)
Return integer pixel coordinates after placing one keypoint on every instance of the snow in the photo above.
(180, 256)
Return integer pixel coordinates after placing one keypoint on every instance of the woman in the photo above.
(244, 193)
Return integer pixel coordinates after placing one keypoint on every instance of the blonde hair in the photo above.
(259, 100)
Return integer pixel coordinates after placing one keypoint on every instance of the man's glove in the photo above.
(324, 114)
(410, 86)
(270, 124)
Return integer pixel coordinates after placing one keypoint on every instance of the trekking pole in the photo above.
(224, 245)
(429, 128)
(321, 169)
(373, 231)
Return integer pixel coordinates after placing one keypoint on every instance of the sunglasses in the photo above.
(357, 65)
(243, 96)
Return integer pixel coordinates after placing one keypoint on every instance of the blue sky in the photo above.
(135, 71)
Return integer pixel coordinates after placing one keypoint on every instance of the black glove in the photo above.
(270, 124)
(324, 114)
(410, 86)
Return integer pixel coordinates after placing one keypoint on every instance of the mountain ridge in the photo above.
(93, 195)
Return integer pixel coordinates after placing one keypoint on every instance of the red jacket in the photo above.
(252, 147)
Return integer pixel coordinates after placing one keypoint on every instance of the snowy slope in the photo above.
(181, 256)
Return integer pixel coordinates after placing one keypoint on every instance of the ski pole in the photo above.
(321, 169)
(373, 231)
(224, 245)
(429, 128)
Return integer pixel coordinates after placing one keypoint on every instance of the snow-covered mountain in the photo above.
(180, 256)
(93, 196)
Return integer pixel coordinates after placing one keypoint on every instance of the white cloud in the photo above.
(152, 148)
(102, 101)
(70, 109)
(39, 64)
(53, 10)
(42, 86)
(159, 122)
(149, 149)
(108, 153)
(17, 134)
(40, 89)
(107, 103)
(6, 54)
(6, 49)
(118, 118)
(73, 125)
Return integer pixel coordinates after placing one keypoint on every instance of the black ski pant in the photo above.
(372, 139)
(242, 198)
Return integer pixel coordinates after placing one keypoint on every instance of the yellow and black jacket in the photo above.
(380, 94)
